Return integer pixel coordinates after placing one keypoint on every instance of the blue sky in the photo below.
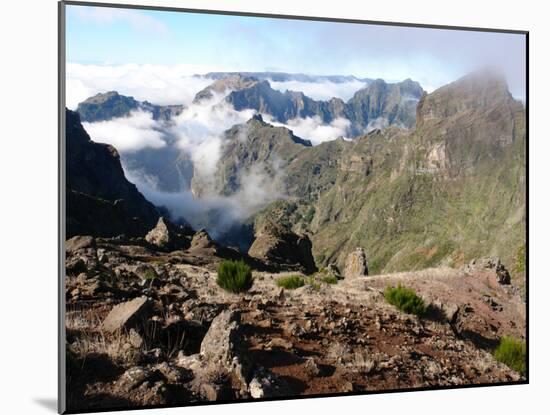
(434, 57)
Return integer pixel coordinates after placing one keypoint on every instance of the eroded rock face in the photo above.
(283, 249)
(356, 264)
(127, 314)
(222, 342)
(492, 264)
(168, 236)
(100, 200)
(202, 240)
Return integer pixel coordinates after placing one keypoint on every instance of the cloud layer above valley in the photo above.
(159, 84)
(198, 132)
(313, 128)
(128, 134)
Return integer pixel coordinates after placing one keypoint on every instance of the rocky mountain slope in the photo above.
(100, 200)
(255, 144)
(378, 105)
(149, 326)
(109, 105)
(447, 191)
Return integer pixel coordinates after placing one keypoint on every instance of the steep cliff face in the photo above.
(381, 104)
(378, 105)
(100, 200)
(469, 121)
(447, 191)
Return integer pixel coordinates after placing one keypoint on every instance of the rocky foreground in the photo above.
(150, 326)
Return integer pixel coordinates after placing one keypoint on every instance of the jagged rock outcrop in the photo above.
(437, 194)
(376, 106)
(100, 200)
(255, 149)
(109, 105)
(356, 264)
(169, 236)
(281, 248)
(492, 264)
(202, 240)
(481, 101)
(233, 82)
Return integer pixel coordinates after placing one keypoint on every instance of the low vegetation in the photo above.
(234, 276)
(406, 300)
(329, 279)
(291, 282)
(520, 259)
(513, 353)
(149, 274)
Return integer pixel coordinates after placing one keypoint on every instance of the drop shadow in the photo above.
(48, 403)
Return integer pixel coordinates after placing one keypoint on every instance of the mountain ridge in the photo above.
(437, 194)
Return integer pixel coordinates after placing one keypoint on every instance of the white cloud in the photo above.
(197, 131)
(132, 133)
(313, 128)
(214, 212)
(159, 84)
(200, 127)
(321, 90)
(139, 21)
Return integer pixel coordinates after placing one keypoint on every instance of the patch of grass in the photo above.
(520, 259)
(513, 353)
(234, 276)
(312, 282)
(320, 259)
(291, 282)
(149, 274)
(405, 299)
(329, 279)
(308, 217)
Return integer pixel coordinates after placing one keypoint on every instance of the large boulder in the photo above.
(79, 242)
(493, 264)
(202, 240)
(282, 249)
(356, 264)
(127, 315)
(169, 236)
(223, 348)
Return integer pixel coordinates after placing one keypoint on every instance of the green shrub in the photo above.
(329, 279)
(405, 299)
(149, 274)
(512, 352)
(234, 276)
(312, 282)
(291, 282)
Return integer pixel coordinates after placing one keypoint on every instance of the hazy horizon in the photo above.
(154, 46)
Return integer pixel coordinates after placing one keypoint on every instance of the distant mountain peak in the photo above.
(105, 106)
(481, 89)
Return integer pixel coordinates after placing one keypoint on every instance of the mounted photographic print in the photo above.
(258, 207)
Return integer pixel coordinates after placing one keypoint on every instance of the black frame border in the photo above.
(62, 408)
